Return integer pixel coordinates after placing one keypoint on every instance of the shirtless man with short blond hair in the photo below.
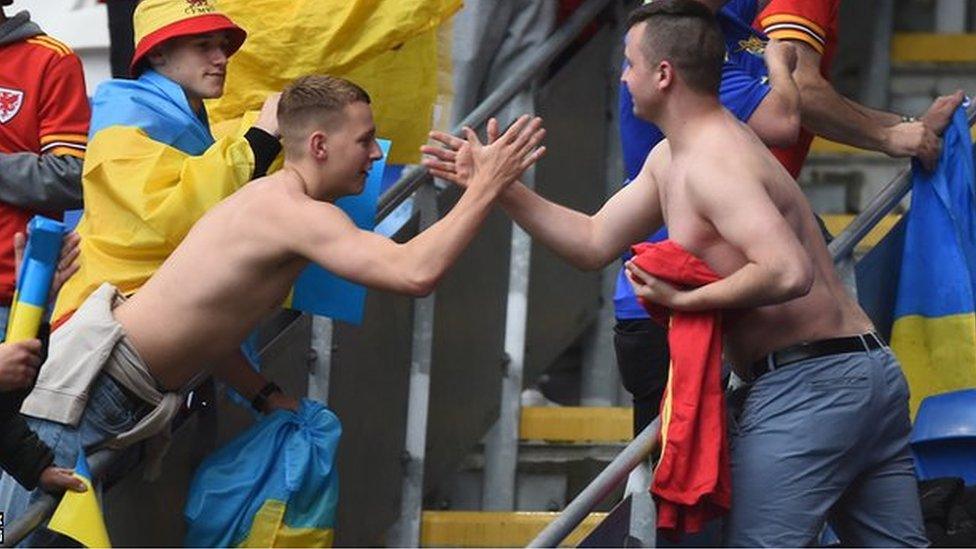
(117, 367)
(823, 436)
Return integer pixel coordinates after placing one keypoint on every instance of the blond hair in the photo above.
(316, 100)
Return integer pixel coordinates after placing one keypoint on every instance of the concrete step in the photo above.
(561, 450)
(576, 425)
(493, 529)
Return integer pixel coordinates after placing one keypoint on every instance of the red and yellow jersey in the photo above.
(43, 110)
(814, 23)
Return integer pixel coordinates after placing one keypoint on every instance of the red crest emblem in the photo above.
(10, 102)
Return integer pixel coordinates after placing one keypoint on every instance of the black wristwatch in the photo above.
(261, 399)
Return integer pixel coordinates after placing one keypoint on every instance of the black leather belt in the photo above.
(814, 349)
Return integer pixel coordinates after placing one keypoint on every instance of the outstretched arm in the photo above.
(587, 242)
(415, 267)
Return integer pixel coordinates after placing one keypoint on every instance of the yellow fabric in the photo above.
(936, 354)
(79, 517)
(152, 15)
(389, 47)
(145, 197)
(269, 530)
(24, 322)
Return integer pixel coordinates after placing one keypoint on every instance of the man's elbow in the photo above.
(784, 133)
(421, 285)
(796, 281)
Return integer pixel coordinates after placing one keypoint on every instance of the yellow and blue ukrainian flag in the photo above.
(275, 485)
(934, 329)
(79, 516)
(389, 47)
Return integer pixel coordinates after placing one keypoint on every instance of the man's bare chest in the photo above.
(693, 231)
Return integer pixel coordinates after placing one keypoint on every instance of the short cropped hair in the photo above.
(687, 34)
(317, 99)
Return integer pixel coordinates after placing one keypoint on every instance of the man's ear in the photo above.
(156, 57)
(665, 75)
(318, 146)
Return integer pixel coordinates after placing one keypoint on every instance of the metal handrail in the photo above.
(880, 206)
(521, 77)
(608, 479)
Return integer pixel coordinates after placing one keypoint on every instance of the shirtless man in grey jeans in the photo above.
(824, 430)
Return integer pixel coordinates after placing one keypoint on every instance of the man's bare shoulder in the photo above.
(655, 165)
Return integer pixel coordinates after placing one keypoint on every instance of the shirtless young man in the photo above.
(116, 367)
(817, 438)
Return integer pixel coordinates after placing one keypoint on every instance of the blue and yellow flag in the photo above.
(389, 47)
(152, 170)
(78, 516)
(275, 485)
(934, 330)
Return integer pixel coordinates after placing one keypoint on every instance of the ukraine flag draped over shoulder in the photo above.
(389, 47)
(934, 330)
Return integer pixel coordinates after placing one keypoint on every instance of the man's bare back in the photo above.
(726, 171)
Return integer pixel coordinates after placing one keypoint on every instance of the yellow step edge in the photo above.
(921, 47)
(576, 424)
(825, 146)
(838, 222)
(493, 528)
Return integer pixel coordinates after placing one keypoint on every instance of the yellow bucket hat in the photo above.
(156, 21)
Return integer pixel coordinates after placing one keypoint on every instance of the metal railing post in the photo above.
(600, 384)
(320, 359)
(950, 16)
(875, 86)
(406, 531)
(554, 45)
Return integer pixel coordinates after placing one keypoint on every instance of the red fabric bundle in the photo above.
(692, 481)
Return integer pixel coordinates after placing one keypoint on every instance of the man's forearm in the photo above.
(881, 118)
(427, 256)
(565, 231)
(748, 288)
(828, 114)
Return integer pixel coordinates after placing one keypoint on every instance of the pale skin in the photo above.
(239, 261)
(725, 199)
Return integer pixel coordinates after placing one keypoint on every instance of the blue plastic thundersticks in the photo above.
(34, 278)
